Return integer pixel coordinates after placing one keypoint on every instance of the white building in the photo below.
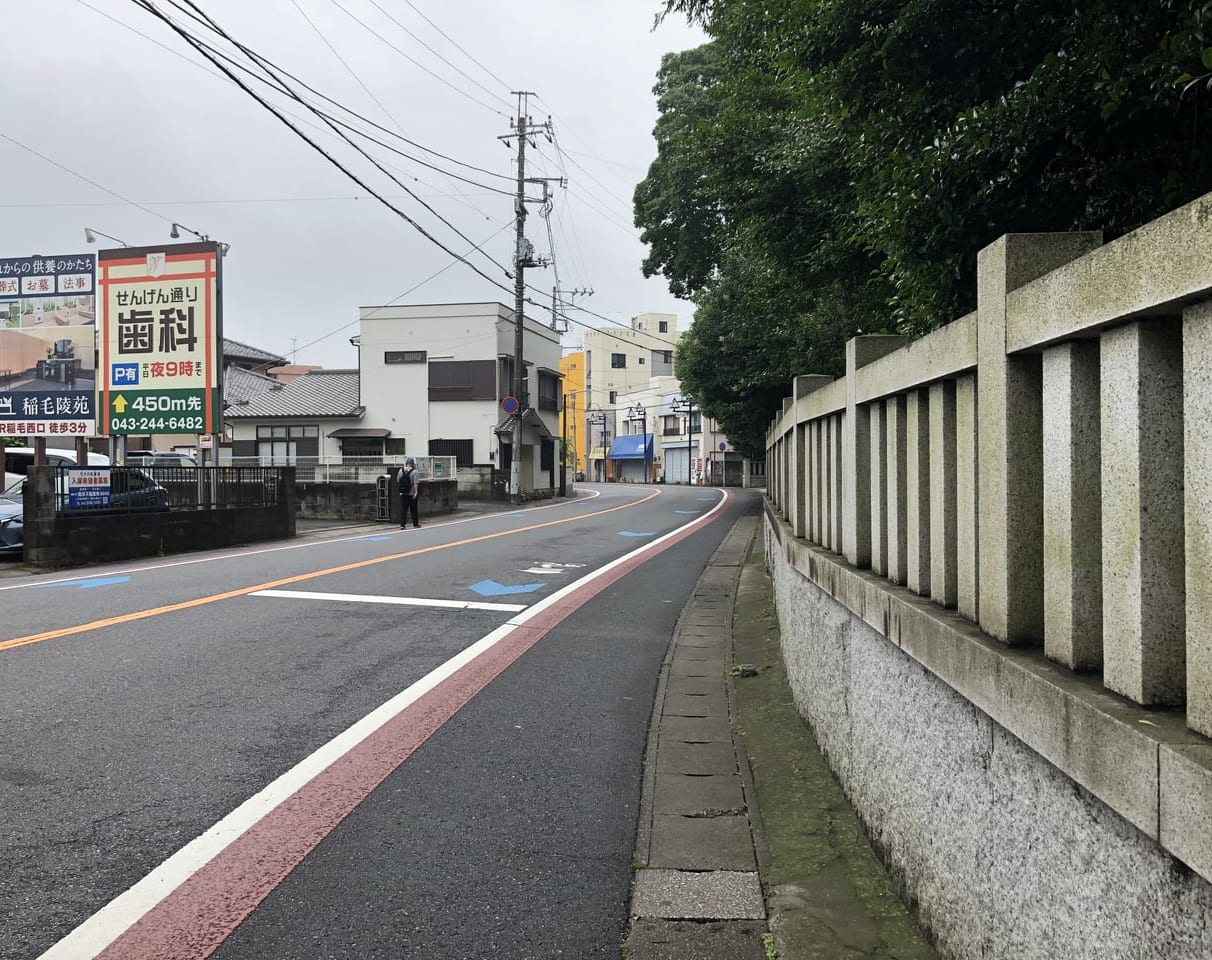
(620, 360)
(436, 376)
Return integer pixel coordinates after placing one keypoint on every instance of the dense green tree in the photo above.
(827, 167)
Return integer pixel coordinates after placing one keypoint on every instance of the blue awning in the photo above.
(635, 447)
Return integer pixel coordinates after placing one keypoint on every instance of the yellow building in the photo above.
(572, 412)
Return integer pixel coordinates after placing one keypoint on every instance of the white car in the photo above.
(18, 460)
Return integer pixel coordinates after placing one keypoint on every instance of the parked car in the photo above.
(159, 458)
(18, 460)
(12, 528)
(131, 491)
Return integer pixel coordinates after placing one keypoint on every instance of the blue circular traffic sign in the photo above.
(510, 405)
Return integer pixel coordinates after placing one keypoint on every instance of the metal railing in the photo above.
(151, 489)
(353, 469)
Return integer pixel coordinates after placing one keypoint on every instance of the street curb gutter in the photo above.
(696, 893)
(746, 847)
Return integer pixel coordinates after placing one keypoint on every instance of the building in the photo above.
(621, 360)
(572, 411)
(437, 376)
(317, 416)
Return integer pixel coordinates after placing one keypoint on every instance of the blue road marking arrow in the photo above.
(629, 533)
(490, 588)
(86, 584)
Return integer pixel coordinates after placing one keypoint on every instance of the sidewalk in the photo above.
(746, 848)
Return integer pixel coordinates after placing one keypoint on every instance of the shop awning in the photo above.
(635, 447)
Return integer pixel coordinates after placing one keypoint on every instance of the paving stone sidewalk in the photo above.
(746, 848)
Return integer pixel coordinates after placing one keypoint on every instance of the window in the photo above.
(404, 356)
(640, 361)
(461, 450)
(546, 454)
(662, 326)
(618, 361)
(666, 356)
(463, 380)
(614, 397)
(280, 444)
(549, 391)
(394, 446)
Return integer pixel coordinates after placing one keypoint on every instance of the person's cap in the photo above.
(410, 462)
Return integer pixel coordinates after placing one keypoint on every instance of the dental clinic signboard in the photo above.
(161, 332)
(47, 346)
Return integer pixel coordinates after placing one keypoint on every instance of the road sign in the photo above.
(161, 339)
(510, 405)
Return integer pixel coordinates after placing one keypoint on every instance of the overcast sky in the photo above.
(308, 245)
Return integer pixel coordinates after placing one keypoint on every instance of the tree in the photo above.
(828, 167)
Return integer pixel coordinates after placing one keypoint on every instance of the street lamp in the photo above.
(638, 412)
(175, 233)
(90, 236)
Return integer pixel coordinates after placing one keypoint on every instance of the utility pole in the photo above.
(523, 128)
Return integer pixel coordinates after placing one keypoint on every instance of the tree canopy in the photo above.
(832, 167)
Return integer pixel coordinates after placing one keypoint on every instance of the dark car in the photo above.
(12, 527)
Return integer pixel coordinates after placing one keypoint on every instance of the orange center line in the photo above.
(298, 578)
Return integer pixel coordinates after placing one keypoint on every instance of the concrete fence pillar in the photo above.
(878, 435)
(894, 457)
(943, 478)
(838, 482)
(827, 480)
(1197, 490)
(1143, 549)
(856, 513)
(1010, 533)
(801, 458)
(1073, 586)
(967, 505)
(917, 490)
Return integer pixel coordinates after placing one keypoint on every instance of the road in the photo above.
(421, 743)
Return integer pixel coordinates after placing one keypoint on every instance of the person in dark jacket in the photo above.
(408, 493)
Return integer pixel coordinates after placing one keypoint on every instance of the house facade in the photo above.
(435, 376)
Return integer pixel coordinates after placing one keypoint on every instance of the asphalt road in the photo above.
(269, 771)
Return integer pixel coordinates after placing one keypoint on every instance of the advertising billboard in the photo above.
(48, 346)
(161, 333)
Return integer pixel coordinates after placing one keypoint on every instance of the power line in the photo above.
(345, 64)
(414, 61)
(278, 86)
(151, 8)
(286, 89)
(327, 133)
(401, 296)
(80, 176)
(375, 4)
(452, 42)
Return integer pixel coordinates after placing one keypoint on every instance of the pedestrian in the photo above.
(408, 493)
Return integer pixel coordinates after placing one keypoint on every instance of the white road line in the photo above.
(401, 601)
(105, 926)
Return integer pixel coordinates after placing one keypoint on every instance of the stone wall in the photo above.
(1018, 503)
(1002, 855)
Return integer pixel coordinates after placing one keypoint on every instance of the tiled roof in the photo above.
(235, 350)
(240, 384)
(320, 393)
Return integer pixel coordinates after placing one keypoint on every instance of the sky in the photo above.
(85, 98)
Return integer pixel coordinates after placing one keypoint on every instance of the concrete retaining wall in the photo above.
(1002, 855)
